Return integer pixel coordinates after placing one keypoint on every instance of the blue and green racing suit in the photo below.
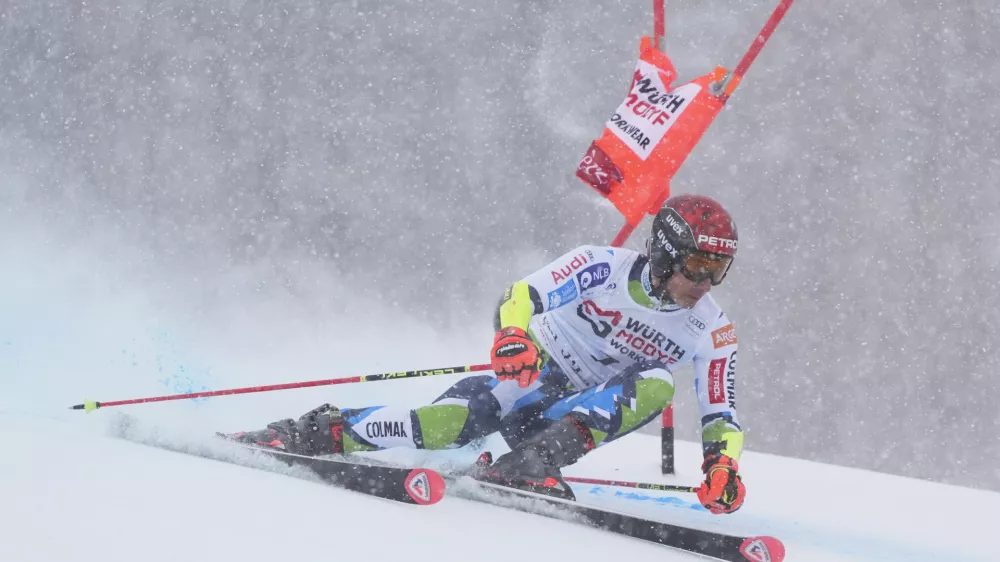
(609, 351)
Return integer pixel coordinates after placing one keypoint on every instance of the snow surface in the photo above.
(70, 490)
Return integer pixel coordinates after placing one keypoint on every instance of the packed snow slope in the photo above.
(76, 324)
(73, 491)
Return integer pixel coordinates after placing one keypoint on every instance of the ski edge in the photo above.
(418, 486)
(397, 484)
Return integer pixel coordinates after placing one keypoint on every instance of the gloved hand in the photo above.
(723, 490)
(514, 356)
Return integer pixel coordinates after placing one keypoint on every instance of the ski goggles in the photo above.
(697, 267)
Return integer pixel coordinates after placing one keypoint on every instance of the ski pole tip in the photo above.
(87, 406)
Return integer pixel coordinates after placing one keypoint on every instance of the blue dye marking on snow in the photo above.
(663, 500)
(844, 542)
(173, 374)
(669, 501)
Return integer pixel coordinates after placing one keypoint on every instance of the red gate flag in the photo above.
(651, 133)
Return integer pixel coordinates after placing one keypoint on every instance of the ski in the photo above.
(416, 486)
(705, 543)
(419, 486)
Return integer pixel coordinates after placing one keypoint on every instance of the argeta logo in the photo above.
(724, 336)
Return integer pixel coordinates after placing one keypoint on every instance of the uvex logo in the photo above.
(662, 238)
(675, 224)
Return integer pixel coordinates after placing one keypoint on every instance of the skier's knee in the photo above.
(458, 417)
(649, 368)
(655, 388)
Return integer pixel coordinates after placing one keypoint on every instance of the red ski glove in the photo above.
(514, 356)
(723, 490)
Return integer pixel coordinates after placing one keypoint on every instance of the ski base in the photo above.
(420, 486)
(416, 486)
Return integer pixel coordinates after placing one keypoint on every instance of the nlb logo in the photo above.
(594, 275)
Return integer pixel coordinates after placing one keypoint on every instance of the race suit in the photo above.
(609, 350)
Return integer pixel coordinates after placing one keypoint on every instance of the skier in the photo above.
(583, 354)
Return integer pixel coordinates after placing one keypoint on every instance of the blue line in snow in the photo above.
(855, 545)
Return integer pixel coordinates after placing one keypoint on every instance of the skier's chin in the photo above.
(688, 300)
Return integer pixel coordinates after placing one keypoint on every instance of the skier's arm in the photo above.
(715, 383)
(517, 305)
(552, 286)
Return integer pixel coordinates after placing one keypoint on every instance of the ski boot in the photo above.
(535, 464)
(317, 432)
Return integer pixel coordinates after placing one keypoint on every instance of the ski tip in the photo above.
(763, 549)
(425, 486)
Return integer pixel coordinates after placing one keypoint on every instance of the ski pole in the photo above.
(638, 485)
(89, 405)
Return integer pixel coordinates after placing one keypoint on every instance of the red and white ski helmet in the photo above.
(695, 235)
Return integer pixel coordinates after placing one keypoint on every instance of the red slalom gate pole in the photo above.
(659, 22)
(637, 485)
(757, 46)
(90, 406)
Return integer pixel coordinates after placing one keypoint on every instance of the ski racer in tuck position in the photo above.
(583, 354)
